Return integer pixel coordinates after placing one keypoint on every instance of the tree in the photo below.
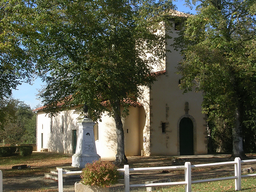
(96, 51)
(7, 112)
(26, 119)
(15, 61)
(20, 123)
(16, 64)
(219, 46)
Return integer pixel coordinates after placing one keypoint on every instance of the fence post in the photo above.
(188, 176)
(238, 173)
(1, 181)
(126, 178)
(60, 179)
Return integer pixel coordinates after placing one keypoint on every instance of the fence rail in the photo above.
(187, 172)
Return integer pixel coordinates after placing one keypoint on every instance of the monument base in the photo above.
(80, 160)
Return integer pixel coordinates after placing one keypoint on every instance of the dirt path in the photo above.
(34, 183)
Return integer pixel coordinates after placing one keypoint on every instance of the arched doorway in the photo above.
(186, 136)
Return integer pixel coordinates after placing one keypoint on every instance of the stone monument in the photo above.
(85, 148)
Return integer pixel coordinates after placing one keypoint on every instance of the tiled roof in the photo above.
(127, 101)
(43, 107)
(59, 104)
(104, 103)
(176, 13)
(39, 108)
(158, 73)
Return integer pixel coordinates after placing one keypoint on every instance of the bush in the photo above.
(25, 150)
(99, 173)
(7, 151)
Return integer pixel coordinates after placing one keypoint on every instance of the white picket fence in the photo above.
(187, 171)
(60, 177)
(1, 181)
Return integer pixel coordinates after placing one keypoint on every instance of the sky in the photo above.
(28, 93)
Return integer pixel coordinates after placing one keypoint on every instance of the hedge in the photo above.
(13, 150)
(25, 150)
(7, 151)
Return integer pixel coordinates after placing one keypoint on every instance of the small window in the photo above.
(163, 127)
(178, 25)
(51, 124)
(62, 123)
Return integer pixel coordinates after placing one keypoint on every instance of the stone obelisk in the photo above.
(85, 148)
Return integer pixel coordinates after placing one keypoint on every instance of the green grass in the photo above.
(37, 159)
(248, 184)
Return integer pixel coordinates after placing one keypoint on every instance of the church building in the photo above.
(164, 121)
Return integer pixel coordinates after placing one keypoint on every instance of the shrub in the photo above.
(25, 150)
(99, 173)
(7, 151)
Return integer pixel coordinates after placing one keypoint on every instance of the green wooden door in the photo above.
(186, 137)
(42, 140)
(74, 141)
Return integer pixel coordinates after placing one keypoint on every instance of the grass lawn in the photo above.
(40, 163)
(248, 184)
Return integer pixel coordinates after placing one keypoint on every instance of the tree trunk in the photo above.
(120, 154)
(238, 150)
(237, 130)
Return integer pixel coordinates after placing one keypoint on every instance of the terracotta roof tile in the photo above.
(158, 73)
(176, 13)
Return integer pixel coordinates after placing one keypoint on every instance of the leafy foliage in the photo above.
(220, 139)
(25, 150)
(20, 123)
(219, 59)
(93, 51)
(100, 173)
(7, 151)
(16, 64)
(13, 150)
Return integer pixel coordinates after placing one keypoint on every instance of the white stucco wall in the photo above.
(167, 106)
(56, 130)
(58, 139)
(106, 145)
(43, 130)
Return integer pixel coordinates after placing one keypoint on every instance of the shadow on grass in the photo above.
(39, 163)
(33, 171)
(36, 156)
